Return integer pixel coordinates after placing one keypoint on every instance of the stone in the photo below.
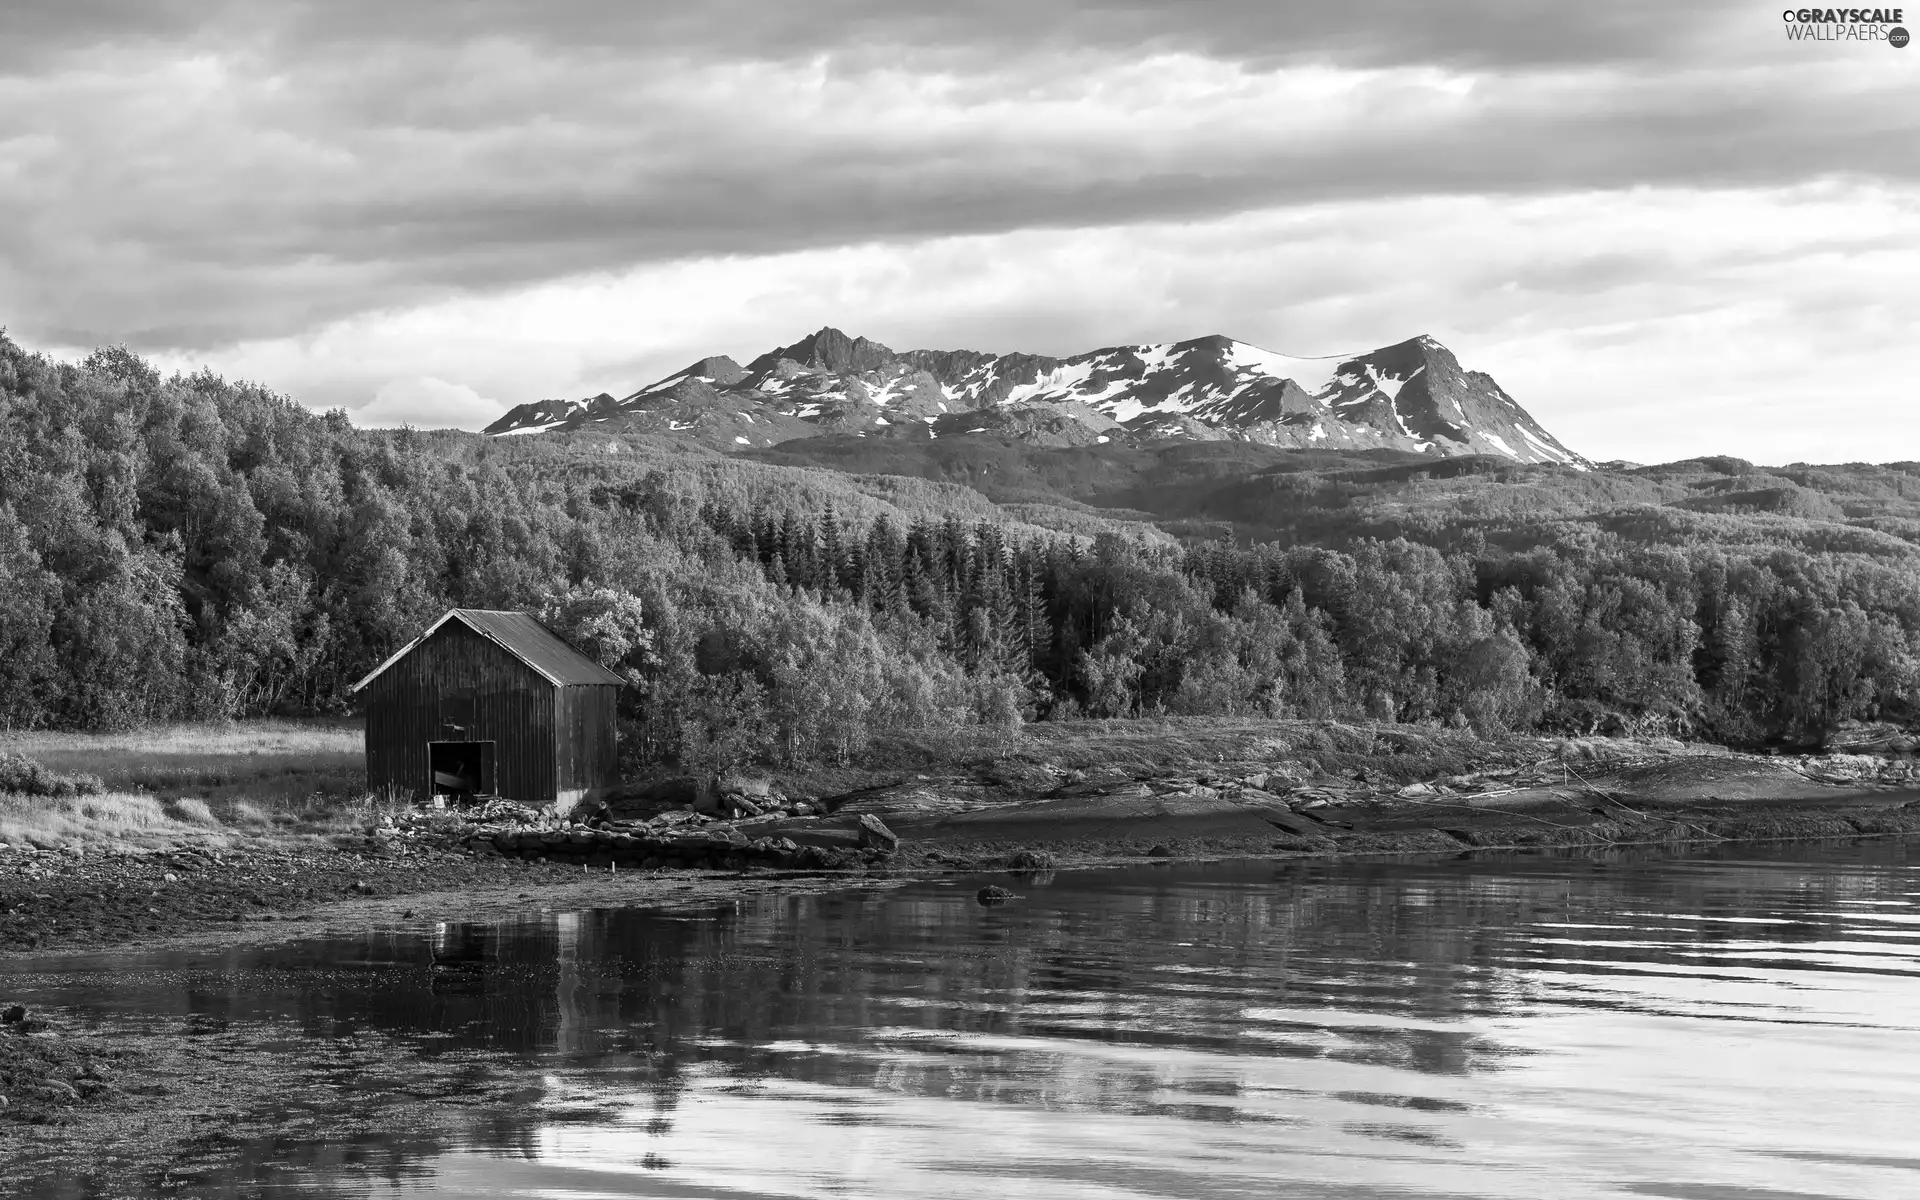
(874, 834)
(825, 838)
(1281, 817)
(59, 1091)
(13, 1014)
(992, 895)
(1031, 860)
(1160, 850)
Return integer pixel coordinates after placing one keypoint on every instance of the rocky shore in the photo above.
(1004, 817)
(740, 823)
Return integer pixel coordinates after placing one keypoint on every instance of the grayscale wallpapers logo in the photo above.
(1846, 25)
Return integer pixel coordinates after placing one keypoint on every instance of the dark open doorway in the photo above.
(461, 768)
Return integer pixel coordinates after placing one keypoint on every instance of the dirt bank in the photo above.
(58, 904)
(1686, 799)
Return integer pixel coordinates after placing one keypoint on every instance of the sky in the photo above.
(1665, 230)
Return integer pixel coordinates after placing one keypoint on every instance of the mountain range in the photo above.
(1410, 396)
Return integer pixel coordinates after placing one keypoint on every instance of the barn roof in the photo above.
(519, 635)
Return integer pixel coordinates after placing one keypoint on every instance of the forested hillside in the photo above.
(193, 547)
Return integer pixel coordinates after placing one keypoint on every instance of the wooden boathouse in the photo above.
(491, 703)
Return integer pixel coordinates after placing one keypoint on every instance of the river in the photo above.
(1738, 1025)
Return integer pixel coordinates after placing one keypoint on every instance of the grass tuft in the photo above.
(192, 812)
(51, 823)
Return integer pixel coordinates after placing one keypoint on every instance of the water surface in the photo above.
(1733, 1026)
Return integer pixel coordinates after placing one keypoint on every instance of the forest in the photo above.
(197, 548)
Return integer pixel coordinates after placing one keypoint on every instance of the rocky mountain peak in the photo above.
(1411, 395)
(830, 350)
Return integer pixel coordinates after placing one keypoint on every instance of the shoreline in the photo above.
(187, 897)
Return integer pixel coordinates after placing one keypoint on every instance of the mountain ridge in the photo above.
(1412, 395)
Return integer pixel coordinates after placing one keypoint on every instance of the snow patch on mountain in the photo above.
(1309, 374)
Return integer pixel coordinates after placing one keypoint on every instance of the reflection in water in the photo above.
(1631, 1025)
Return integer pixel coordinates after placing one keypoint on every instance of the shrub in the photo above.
(23, 776)
(192, 811)
(240, 812)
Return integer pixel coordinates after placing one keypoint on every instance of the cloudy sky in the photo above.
(1667, 230)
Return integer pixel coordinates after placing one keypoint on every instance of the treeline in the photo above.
(197, 548)
(1600, 637)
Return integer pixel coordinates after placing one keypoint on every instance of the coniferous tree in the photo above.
(832, 558)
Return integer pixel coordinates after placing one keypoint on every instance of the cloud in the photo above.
(426, 403)
(189, 182)
(1379, 33)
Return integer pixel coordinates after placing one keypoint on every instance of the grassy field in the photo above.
(201, 782)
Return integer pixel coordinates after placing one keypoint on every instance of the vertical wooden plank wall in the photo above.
(584, 737)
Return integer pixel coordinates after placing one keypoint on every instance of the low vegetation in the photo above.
(185, 782)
